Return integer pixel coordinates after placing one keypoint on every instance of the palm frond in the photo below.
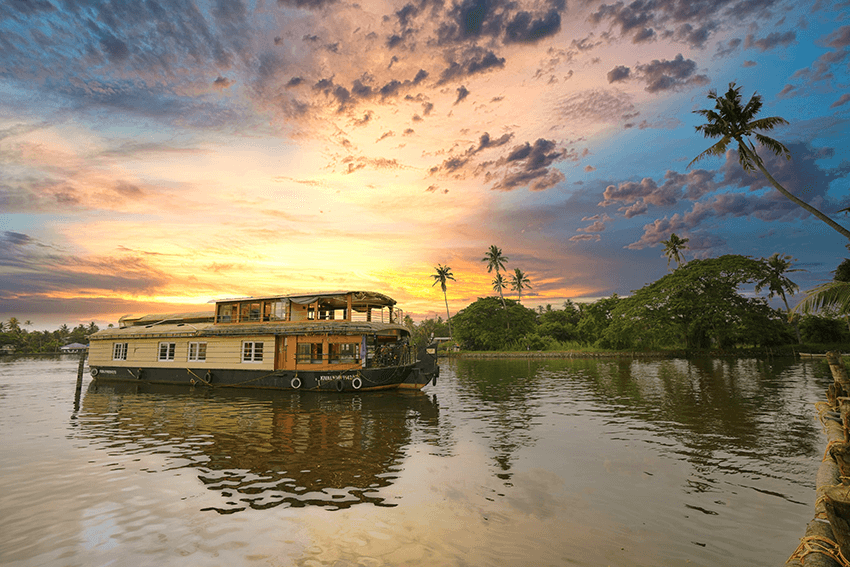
(747, 161)
(830, 295)
(718, 149)
(775, 146)
(767, 123)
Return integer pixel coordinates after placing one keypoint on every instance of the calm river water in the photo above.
(503, 462)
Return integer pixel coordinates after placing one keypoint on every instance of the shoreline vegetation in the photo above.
(789, 351)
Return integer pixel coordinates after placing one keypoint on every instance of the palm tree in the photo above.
(444, 273)
(14, 325)
(833, 295)
(673, 249)
(729, 121)
(519, 282)
(499, 284)
(496, 261)
(778, 284)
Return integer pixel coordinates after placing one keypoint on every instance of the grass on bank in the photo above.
(577, 347)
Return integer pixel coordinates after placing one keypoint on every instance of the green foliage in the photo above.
(534, 341)
(595, 319)
(698, 305)
(422, 333)
(819, 329)
(842, 272)
(26, 341)
(483, 325)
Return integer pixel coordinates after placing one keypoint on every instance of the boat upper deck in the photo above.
(342, 312)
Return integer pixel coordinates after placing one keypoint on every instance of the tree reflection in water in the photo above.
(716, 413)
(263, 449)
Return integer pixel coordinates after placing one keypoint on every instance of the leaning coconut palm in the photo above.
(730, 121)
(830, 296)
(444, 273)
(519, 282)
(673, 249)
(778, 284)
(496, 261)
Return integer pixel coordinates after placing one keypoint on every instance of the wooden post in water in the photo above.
(80, 372)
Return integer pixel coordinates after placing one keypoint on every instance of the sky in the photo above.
(156, 155)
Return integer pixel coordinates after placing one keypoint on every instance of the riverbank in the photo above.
(683, 353)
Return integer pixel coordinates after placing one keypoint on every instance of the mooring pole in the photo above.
(80, 377)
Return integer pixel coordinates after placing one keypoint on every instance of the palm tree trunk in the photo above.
(793, 317)
(757, 160)
(448, 317)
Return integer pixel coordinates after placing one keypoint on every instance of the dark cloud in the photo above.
(476, 20)
(618, 73)
(222, 82)
(842, 100)
(644, 35)
(33, 268)
(10, 238)
(665, 75)
(528, 165)
(477, 61)
(715, 198)
(523, 28)
(728, 48)
(462, 93)
(308, 4)
(115, 49)
(771, 41)
(454, 164)
(691, 22)
(839, 38)
(346, 98)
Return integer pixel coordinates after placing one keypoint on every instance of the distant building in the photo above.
(73, 348)
(7, 349)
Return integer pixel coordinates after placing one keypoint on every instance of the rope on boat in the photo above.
(206, 382)
(817, 544)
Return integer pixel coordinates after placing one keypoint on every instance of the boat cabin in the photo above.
(334, 331)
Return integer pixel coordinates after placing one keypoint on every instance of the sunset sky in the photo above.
(155, 155)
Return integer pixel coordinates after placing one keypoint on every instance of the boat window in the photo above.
(343, 352)
(252, 351)
(279, 310)
(225, 313)
(249, 311)
(198, 352)
(166, 351)
(119, 351)
(302, 353)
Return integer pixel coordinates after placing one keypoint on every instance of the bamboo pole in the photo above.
(839, 372)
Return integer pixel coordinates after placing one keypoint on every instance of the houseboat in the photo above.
(336, 341)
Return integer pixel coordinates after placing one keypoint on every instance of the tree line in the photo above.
(714, 303)
(14, 334)
(699, 304)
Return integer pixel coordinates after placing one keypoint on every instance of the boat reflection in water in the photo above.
(262, 449)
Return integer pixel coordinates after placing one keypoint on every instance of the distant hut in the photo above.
(73, 348)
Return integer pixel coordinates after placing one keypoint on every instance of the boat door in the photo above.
(279, 352)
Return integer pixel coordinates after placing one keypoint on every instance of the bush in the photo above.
(816, 329)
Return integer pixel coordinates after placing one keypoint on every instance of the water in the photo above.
(525, 462)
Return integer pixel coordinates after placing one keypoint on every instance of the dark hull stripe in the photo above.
(367, 379)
